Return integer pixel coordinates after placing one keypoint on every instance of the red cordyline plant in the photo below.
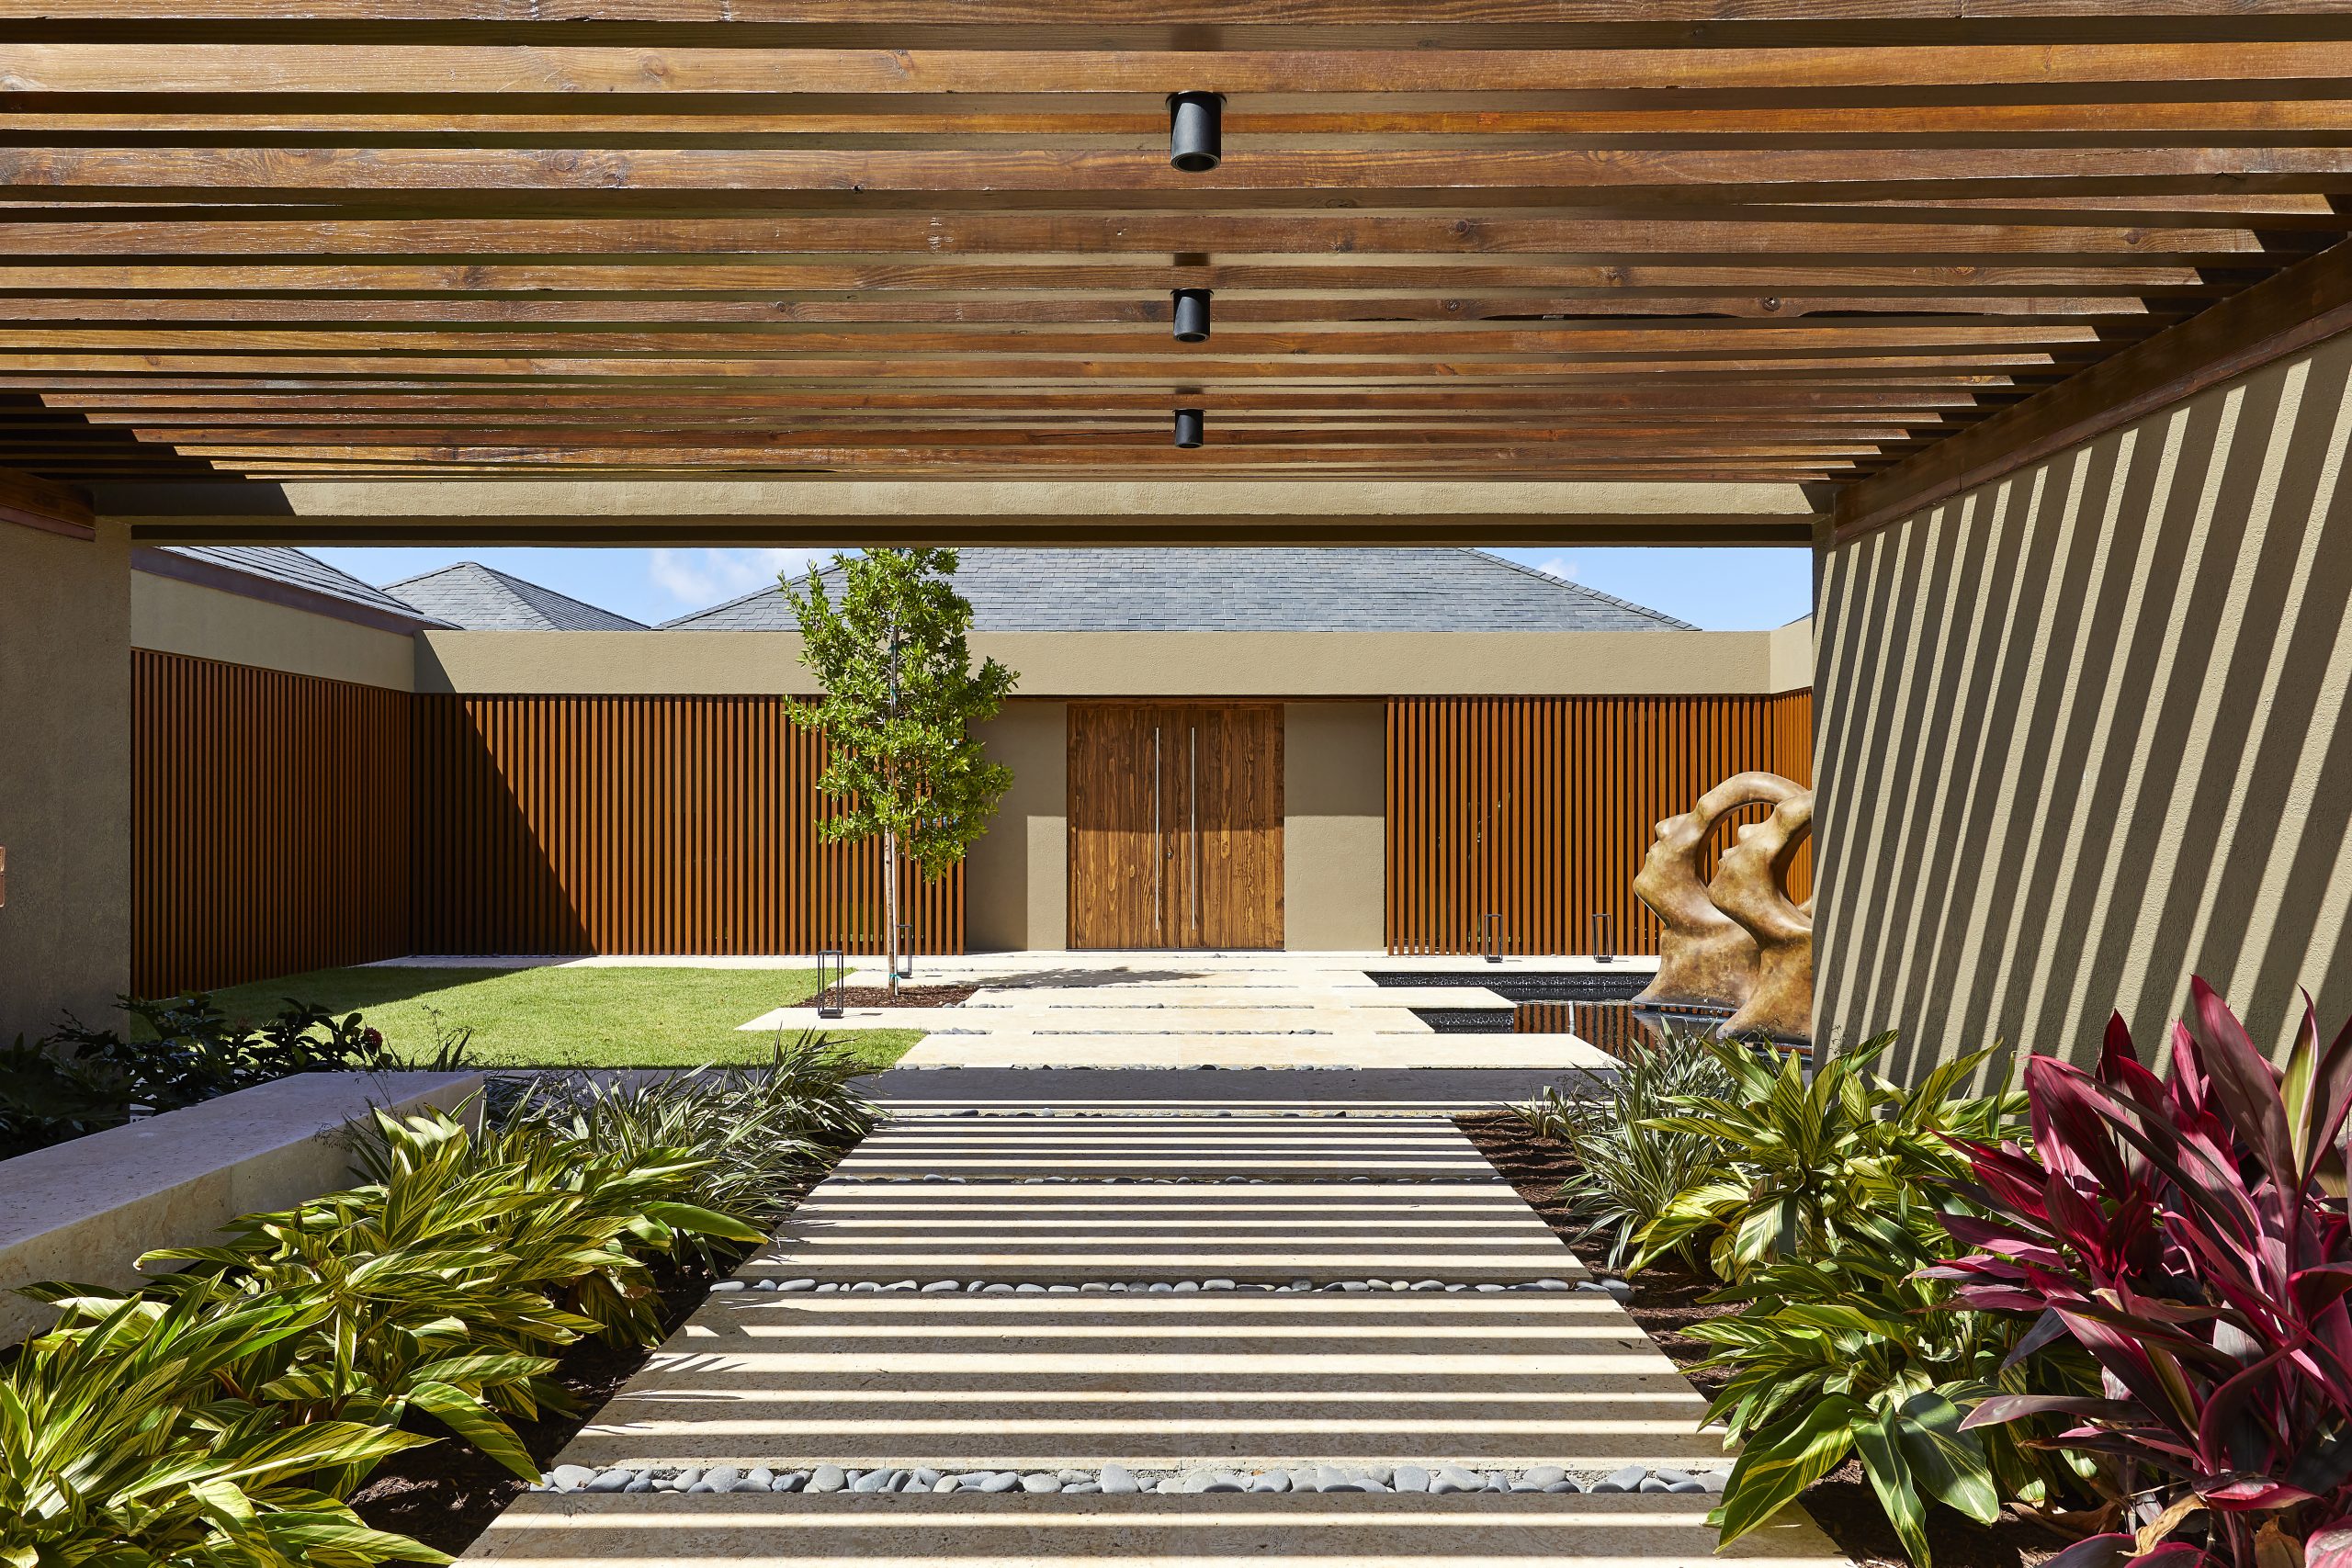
(2189, 1231)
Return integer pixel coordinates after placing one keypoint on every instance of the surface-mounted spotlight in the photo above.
(1194, 136)
(1189, 425)
(1191, 315)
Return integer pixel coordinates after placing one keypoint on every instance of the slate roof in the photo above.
(482, 598)
(1245, 589)
(299, 569)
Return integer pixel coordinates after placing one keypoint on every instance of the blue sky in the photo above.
(1721, 589)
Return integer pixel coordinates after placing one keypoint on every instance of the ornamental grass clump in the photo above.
(2188, 1234)
(1631, 1169)
(755, 1134)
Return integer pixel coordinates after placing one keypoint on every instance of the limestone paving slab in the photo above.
(1273, 994)
(1211, 1530)
(1172, 1008)
(1225, 1018)
(1401, 1148)
(1154, 1381)
(1555, 1052)
(1306, 1092)
(1057, 1232)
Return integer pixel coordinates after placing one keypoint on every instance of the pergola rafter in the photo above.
(1792, 241)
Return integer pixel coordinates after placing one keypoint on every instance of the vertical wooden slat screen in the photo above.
(1540, 810)
(271, 820)
(640, 825)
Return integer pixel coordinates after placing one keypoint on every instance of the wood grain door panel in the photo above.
(1175, 825)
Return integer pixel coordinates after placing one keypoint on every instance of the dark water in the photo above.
(1595, 1005)
(1615, 1027)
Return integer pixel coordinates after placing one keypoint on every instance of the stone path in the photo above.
(1220, 1009)
(995, 1335)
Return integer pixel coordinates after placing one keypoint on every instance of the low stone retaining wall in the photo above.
(84, 1210)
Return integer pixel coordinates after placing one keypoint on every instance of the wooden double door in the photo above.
(1176, 825)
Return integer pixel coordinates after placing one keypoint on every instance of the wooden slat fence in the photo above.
(640, 825)
(1540, 809)
(271, 823)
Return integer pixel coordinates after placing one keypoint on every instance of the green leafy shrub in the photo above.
(79, 1080)
(1855, 1354)
(1632, 1168)
(243, 1395)
(1824, 1202)
(440, 1287)
(117, 1446)
(1808, 1163)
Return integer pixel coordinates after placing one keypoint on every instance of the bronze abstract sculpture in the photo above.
(1751, 886)
(1704, 958)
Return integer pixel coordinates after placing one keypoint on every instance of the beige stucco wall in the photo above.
(171, 617)
(1334, 837)
(1016, 887)
(65, 775)
(2083, 733)
(1146, 664)
(1790, 656)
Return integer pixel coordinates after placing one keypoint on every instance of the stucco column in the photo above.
(1016, 888)
(65, 774)
(1334, 827)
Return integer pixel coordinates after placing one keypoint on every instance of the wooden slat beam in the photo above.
(2131, 17)
(1356, 239)
(250, 67)
(2304, 305)
(30, 501)
(843, 179)
(1708, 241)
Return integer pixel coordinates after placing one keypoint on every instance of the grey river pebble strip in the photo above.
(1617, 1288)
(1116, 1480)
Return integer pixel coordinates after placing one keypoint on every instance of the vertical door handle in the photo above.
(1158, 916)
(1192, 798)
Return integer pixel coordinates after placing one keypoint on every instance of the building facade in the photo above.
(1219, 749)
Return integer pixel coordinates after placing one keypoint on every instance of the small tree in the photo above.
(900, 699)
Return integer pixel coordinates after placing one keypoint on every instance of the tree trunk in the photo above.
(890, 906)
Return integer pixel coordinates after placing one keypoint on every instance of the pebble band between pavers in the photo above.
(1115, 1480)
(1191, 1339)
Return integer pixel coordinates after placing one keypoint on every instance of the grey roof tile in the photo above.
(1246, 589)
(483, 599)
(297, 569)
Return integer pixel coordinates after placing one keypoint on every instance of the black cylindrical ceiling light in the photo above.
(1191, 315)
(1190, 426)
(1195, 140)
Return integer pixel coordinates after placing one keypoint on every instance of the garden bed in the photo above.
(86, 1209)
(1669, 1297)
(446, 1494)
(908, 996)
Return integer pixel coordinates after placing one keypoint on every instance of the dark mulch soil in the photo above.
(908, 997)
(1667, 1298)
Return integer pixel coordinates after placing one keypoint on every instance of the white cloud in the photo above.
(698, 579)
(1558, 566)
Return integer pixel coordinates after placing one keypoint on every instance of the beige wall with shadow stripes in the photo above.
(2082, 734)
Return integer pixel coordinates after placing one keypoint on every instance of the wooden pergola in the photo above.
(1868, 248)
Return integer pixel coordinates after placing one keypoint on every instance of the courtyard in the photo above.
(787, 782)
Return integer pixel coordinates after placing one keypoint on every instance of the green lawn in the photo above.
(567, 1017)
